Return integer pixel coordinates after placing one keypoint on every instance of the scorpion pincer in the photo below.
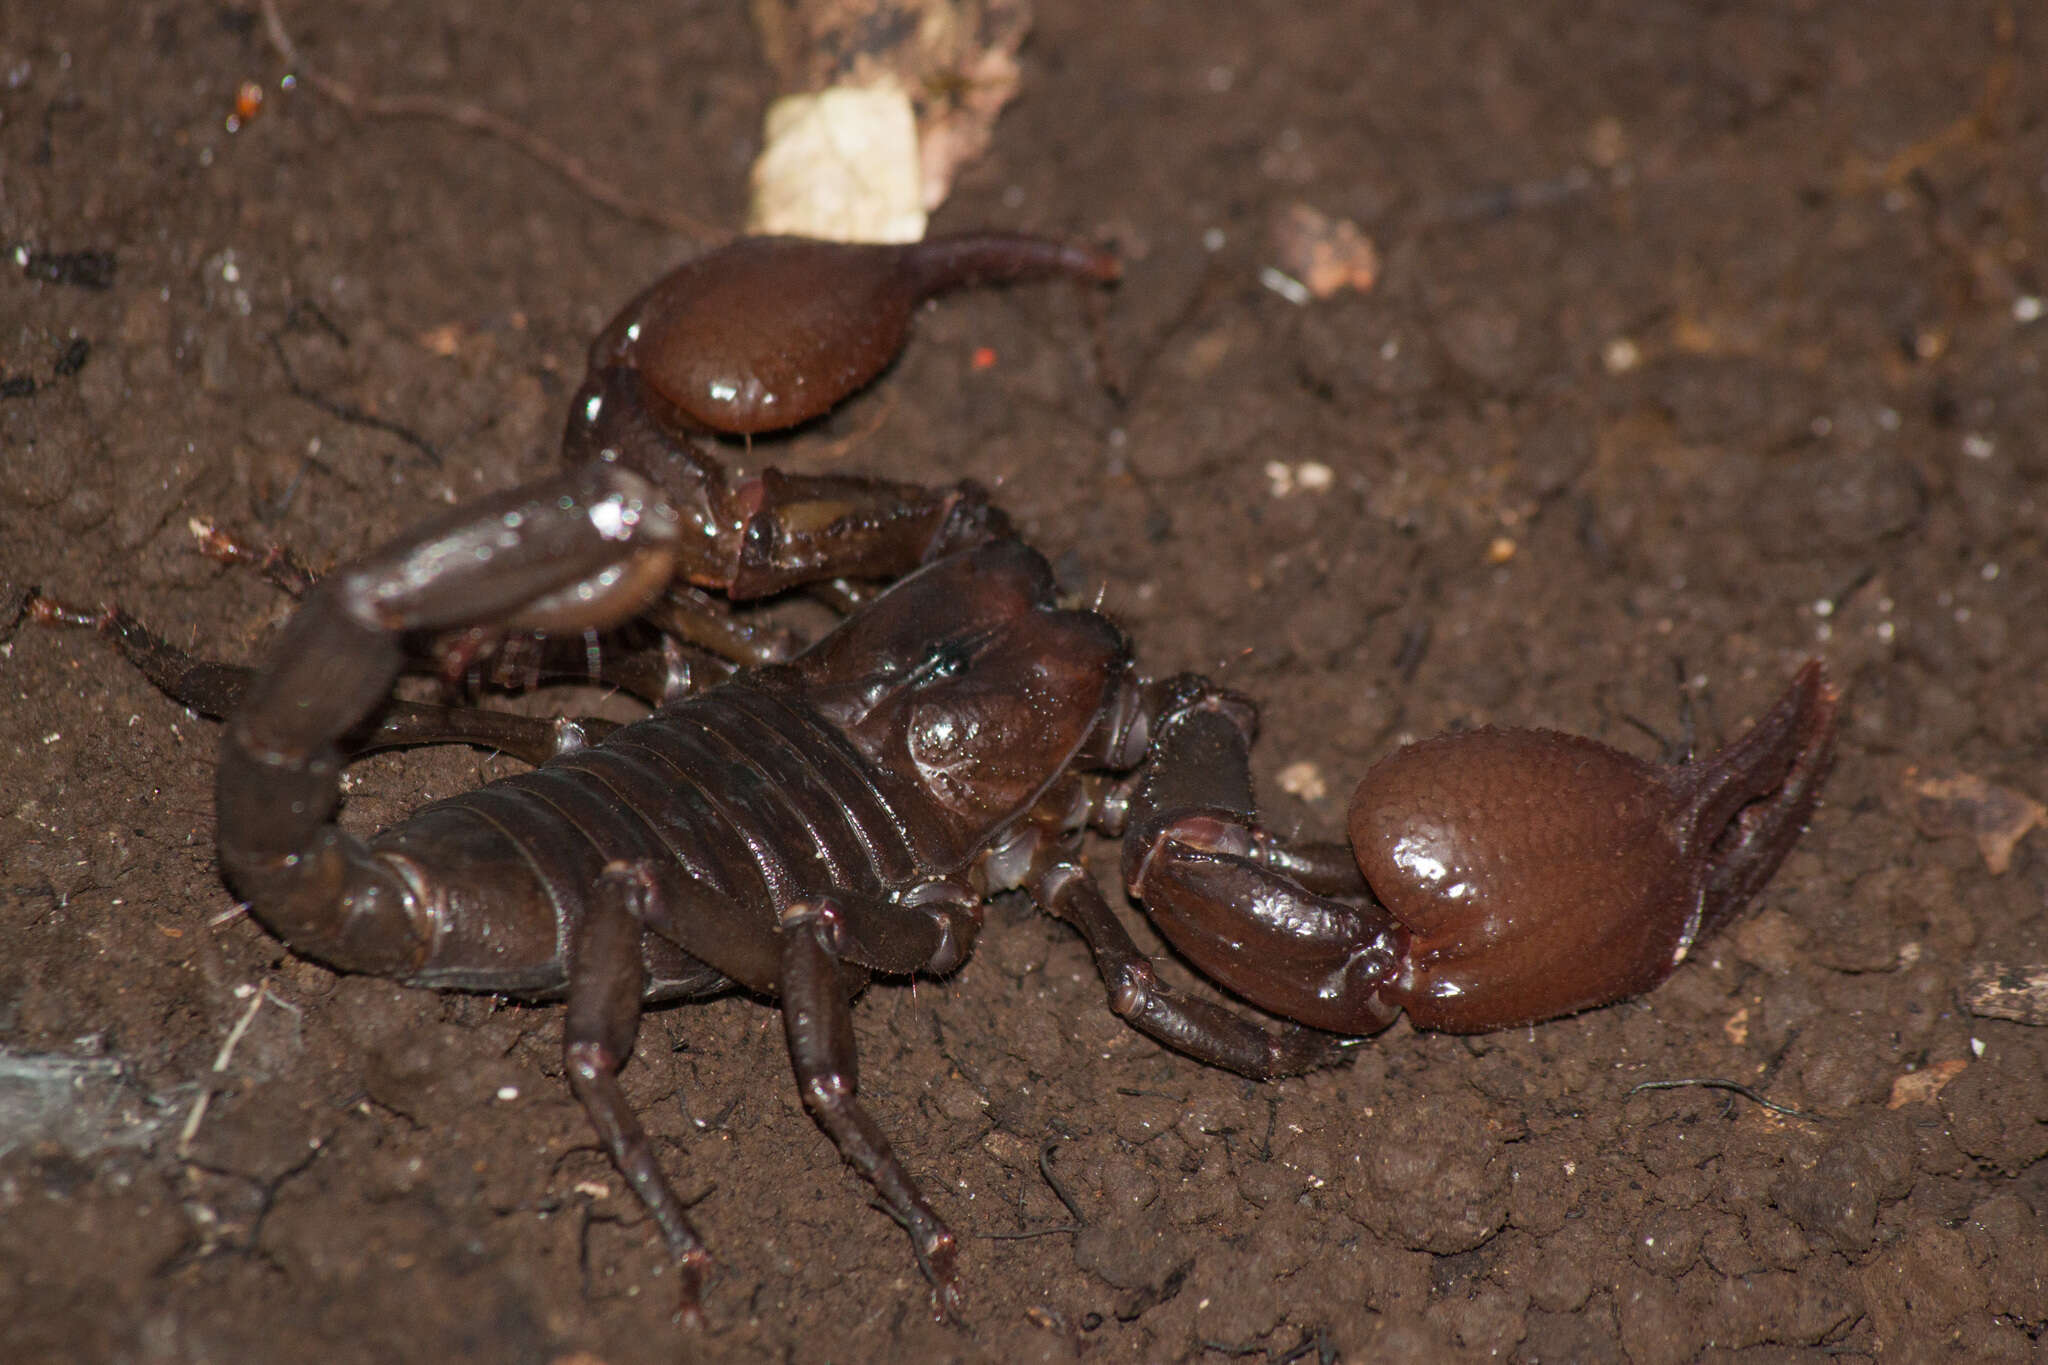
(815, 820)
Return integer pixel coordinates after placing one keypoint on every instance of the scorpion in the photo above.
(818, 817)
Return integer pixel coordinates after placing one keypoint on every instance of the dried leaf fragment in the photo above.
(954, 61)
(1949, 802)
(1325, 254)
(840, 164)
(1920, 1087)
(1999, 990)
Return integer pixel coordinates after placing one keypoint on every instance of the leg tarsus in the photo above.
(276, 564)
(818, 1020)
(605, 981)
(212, 689)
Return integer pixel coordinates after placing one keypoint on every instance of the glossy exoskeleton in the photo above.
(816, 820)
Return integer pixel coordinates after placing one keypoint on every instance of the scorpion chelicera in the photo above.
(821, 817)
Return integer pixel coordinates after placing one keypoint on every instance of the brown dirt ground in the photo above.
(1723, 315)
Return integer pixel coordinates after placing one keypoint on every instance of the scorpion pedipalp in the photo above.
(1502, 876)
(766, 334)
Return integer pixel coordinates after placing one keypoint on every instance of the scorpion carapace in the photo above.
(821, 818)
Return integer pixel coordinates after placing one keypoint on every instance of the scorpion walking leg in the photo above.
(818, 1018)
(519, 661)
(606, 977)
(211, 689)
(215, 689)
(697, 618)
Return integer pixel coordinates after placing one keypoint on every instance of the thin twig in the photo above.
(349, 412)
(1045, 1170)
(1736, 1087)
(190, 1129)
(478, 119)
(1030, 1233)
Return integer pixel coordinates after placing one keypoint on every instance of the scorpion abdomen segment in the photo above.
(767, 791)
(492, 892)
(857, 823)
(505, 904)
(735, 803)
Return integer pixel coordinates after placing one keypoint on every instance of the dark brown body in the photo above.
(819, 819)
(786, 784)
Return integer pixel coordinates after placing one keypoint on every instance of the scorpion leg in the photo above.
(519, 661)
(818, 1019)
(606, 977)
(212, 689)
(696, 618)
(277, 564)
(215, 689)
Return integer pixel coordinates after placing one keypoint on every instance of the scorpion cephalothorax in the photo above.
(817, 819)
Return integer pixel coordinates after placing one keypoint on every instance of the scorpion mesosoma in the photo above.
(818, 819)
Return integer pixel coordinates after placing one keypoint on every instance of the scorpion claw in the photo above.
(1509, 876)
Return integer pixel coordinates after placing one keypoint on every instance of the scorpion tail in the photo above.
(581, 549)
